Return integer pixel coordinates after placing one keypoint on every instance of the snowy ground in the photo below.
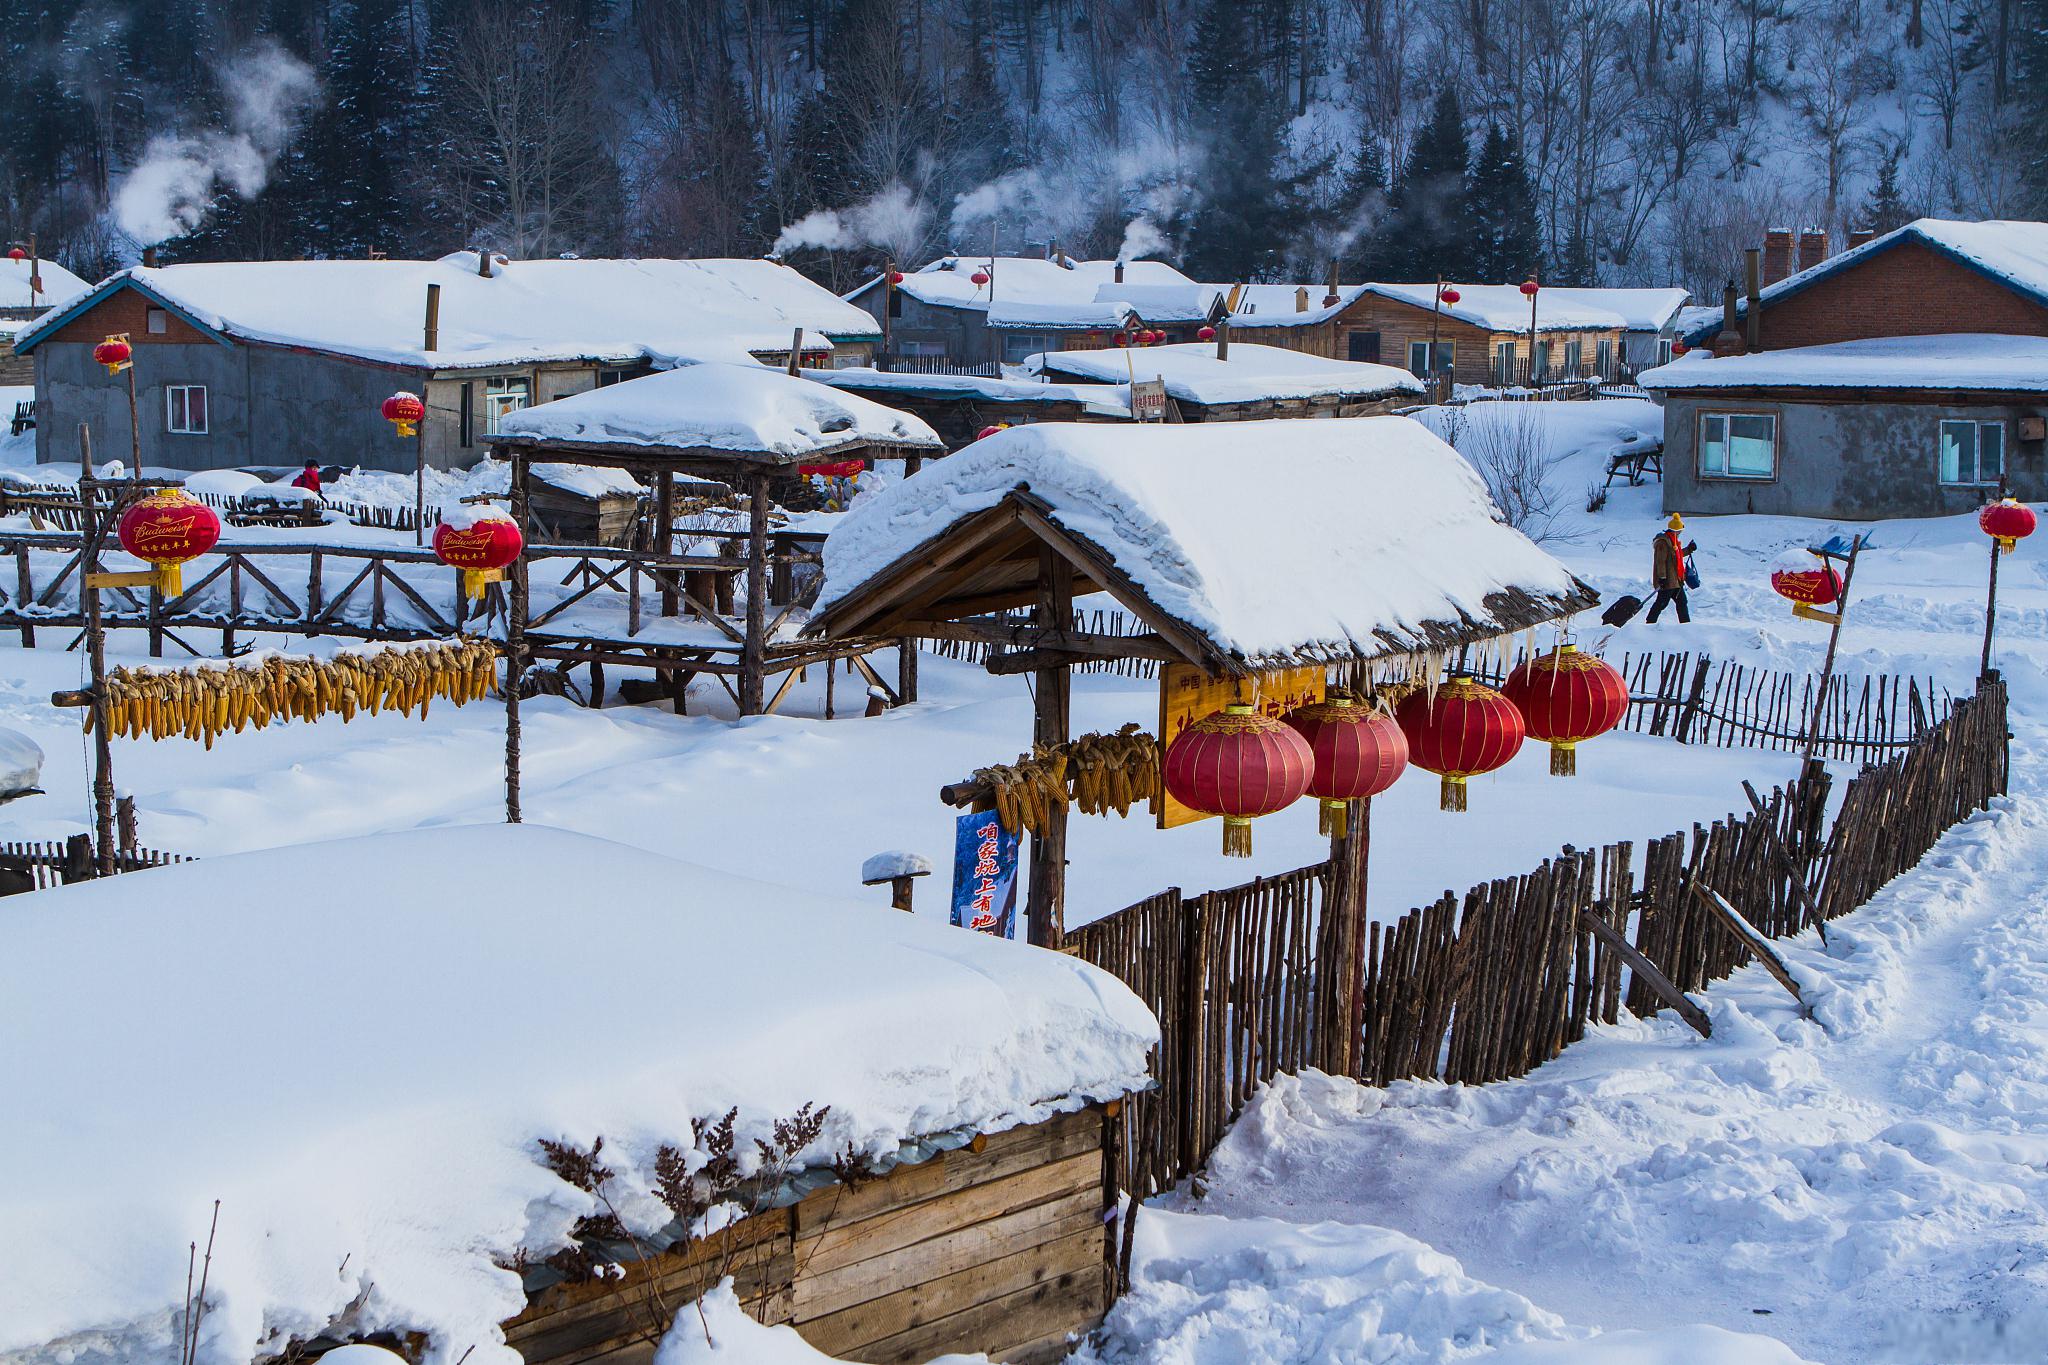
(1866, 1186)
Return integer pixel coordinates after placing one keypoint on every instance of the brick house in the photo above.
(1904, 377)
(267, 363)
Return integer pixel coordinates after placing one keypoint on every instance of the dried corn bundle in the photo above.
(203, 703)
(1114, 772)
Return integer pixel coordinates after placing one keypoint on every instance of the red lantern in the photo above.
(166, 529)
(1529, 288)
(1207, 334)
(990, 430)
(1565, 697)
(1359, 753)
(895, 277)
(1450, 296)
(2007, 521)
(979, 277)
(1816, 587)
(405, 411)
(835, 469)
(1466, 729)
(115, 353)
(482, 548)
(1095, 336)
(1679, 348)
(1118, 339)
(1237, 764)
(16, 254)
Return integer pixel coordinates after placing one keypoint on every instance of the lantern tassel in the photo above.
(169, 580)
(1564, 758)
(1336, 819)
(1237, 837)
(1453, 796)
(2006, 543)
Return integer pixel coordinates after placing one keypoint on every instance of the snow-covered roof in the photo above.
(1274, 305)
(60, 286)
(21, 764)
(526, 311)
(2012, 252)
(1193, 374)
(354, 1046)
(1270, 541)
(1102, 398)
(949, 281)
(1106, 316)
(744, 408)
(1158, 303)
(1967, 362)
(1505, 308)
(1641, 310)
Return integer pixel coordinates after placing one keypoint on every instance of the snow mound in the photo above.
(1193, 374)
(354, 1046)
(225, 483)
(1978, 362)
(883, 866)
(21, 764)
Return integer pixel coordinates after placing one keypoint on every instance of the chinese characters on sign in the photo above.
(985, 875)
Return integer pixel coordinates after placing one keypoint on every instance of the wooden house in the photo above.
(938, 1107)
(272, 362)
(1901, 378)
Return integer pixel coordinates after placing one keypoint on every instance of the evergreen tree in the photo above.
(346, 182)
(1364, 254)
(1429, 226)
(1886, 208)
(2027, 130)
(1505, 240)
(1246, 206)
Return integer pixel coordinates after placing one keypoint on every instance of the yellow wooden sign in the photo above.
(1813, 613)
(1186, 694)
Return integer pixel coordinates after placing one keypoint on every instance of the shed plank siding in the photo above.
(1905, 290)
(1002, 1250)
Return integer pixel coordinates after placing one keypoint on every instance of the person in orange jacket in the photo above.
(1667, 570)
(309, 477)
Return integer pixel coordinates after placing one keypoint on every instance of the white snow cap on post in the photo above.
(884, 867)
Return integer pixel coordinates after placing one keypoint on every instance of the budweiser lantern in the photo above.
(405, 411)
(1529, 288)
(1565, 697)
(834, 469)
(1207, 334)
(481, 544)
(166, 529)
(1466, 729)
(1450, 296)
(1358, 753)
(1815, 587)
(1237, 764)
(114, 353)
(2007, 521)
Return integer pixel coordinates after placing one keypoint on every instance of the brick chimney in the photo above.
(1119, 272)
(1858, 236)
(1728, 341)
(1813, 247)
(149, 257)
(1777, 255)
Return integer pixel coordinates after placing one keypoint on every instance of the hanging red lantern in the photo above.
(1565, 697)
(165, 530)
(1359, 752)
(1118, 339)
(16, 254)
(115, 353)
(834, 469)
(1816, 587)
(1207, 334)
(405, 411)
(1237, 764)
(2008, 521)
(1679, 348)
(1529, 288)
(1466, 729)
(895, 277)
(1095, 336)
(480, 541)
(979, 277)
(991, 430)
(1449, 296)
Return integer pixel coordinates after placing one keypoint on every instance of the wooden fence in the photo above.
(1493, 983)
(48, 863)
(1694, 700)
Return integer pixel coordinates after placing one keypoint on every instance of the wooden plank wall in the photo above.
(1002, 1247)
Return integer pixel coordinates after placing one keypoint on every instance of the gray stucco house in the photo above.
(276, 362)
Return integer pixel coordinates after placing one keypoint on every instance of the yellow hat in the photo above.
(1677, 523)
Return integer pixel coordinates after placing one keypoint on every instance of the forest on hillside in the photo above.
(1598, 141)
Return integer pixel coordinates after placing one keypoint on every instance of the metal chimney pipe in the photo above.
(1330, 299)
(1119, 272)
(483, 261)
(433, 339)
(1753, 273)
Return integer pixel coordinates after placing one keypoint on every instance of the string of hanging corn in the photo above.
(1096, 773)
(205, 702)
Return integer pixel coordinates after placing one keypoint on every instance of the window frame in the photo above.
(156, 322)
(1978, 428)
(172, 394)
(1726, 415)
(1504, 362)
(1574, 353)
(498, 386)
(1603, 357)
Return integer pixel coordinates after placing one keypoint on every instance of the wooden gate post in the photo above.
(92, 532)
(515, 640)
(1343, 958)
(1045, 912)
(753, 652)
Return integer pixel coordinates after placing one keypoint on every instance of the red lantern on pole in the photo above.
(2007, 521)
(1359, 752)
(1118, 339)
(1466, 729)
(1815, 587)
(405, 411)
(1529, 287)
(480, 542)
(1449, 296)
(991, 430)
(895, 277)
(165, 530)
(980, 277)
(1240, 765)
(1206, 334)
(16, 254)
(115, 353)
(1565, 697)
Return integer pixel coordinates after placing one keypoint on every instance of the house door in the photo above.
(1364, 346)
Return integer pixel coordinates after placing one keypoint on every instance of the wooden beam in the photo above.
(1023, 636)
(1747, 935)
(1009, 664)
(1051, 726)
(752, 673)
(1648, 973)
(1098, 567)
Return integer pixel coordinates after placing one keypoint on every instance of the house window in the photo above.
(1664, 350)
(1418, 357)
(1738, 445)
(465, 425)
(1363, 347)
(158, 322)
(503, 397)
(1972, 452)
(1504, 363)
(1018, 345)
(1604, 358)
(185, 409)
(607, 378)
(1572, 352)
(895, 303)
(1541, 369)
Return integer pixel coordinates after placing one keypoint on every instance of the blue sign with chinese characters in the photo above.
(985, 875)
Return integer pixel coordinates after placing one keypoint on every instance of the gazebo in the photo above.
(1364, 544)
(739, 425)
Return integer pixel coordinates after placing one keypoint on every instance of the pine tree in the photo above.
(1429, 228)
(1363, 254)
(2027, 130)
(1246, 205)
(1886, 208)
(346, 182)
(1505, 240)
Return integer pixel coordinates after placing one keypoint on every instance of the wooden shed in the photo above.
(1231, 381)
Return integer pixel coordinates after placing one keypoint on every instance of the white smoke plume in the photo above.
(894, 219)
(1142, 238)
(172, 189)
